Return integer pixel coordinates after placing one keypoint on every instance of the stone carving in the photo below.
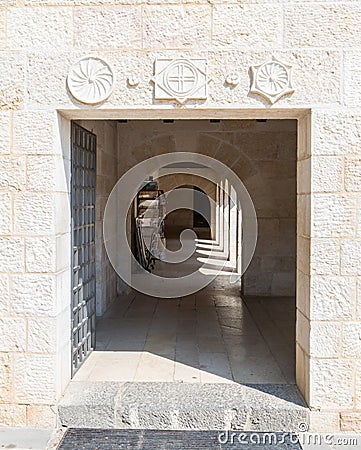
(180, 79)
(133, 80)
(272, 80)
(233, 79)
(91, 80)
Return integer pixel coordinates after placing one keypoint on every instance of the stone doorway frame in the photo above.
(304, 216)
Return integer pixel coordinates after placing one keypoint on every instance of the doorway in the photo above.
(217, 321)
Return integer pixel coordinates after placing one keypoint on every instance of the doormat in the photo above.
(114, 439)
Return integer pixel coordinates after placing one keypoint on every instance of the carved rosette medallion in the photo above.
(180, 79)
(91, 80)
(272, 80)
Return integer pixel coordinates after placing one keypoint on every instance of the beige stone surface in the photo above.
(34, 213)
(32, 295)
(5, 213)
(351, 340)
(330, 25)
(351, 421)
(107, 27)
(324, 422)
(327, 174)
(325, 339)
(41, 416)
(39, 28)
(333, 298)
(40, 254)
(34, 380)
(12, 173)
(13, 332)
(12, 83)
(331, 372)
(334, 215)
(6, 374)
(11, 254)
(37, 139)
(4, 294)
(336, 133)
(353, 174)
(350, 257)
(325, 256)
(12, 415)
(176, 26)
(235, 26)
(4, 133)
(41, 336)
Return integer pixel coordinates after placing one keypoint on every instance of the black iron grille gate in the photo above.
(83, 175)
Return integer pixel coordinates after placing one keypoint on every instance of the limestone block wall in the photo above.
(263, 155)
(41, 40)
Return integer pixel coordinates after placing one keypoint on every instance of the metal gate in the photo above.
(83, 175)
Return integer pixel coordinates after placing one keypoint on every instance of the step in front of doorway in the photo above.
(184, 406)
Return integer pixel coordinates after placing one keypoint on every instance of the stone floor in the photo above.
(213, 336)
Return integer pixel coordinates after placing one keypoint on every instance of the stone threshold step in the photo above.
(184, 406)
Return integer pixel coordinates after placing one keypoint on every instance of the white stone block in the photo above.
(41, 416)
(63, 214)
(304, 176)
(358, 310)
(63, 252)
(352, 77)
(4, 133)
(13, 335)
(303, 293)
(330, 25)
(325, 257)
(37, 138)
(351, 340)
(41, 173)
(5, 213)
(334, 215)
(358, 385)
(358, 214)
(34, 379)
(40, 28)
(4, 294)
(324, 422)
(34, 213)
(108, 27)
(176, 26)
(331, 384)
(327, 174)
(3, 28)
(42, 335)
(239, 26)
(303, 332)
(304, 219)
(12, 82)
(332, 298)
(40, 254)
(12, 415)
(11, 254)
(6, 375)
(353, 174)
(351, 257)
(325, 339)
(33, 295)
(12, 173)
(336, 133)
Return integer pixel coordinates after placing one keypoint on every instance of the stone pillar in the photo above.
(233, 228)
(330, 323)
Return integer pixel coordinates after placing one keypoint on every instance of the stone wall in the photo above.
(41, 40)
